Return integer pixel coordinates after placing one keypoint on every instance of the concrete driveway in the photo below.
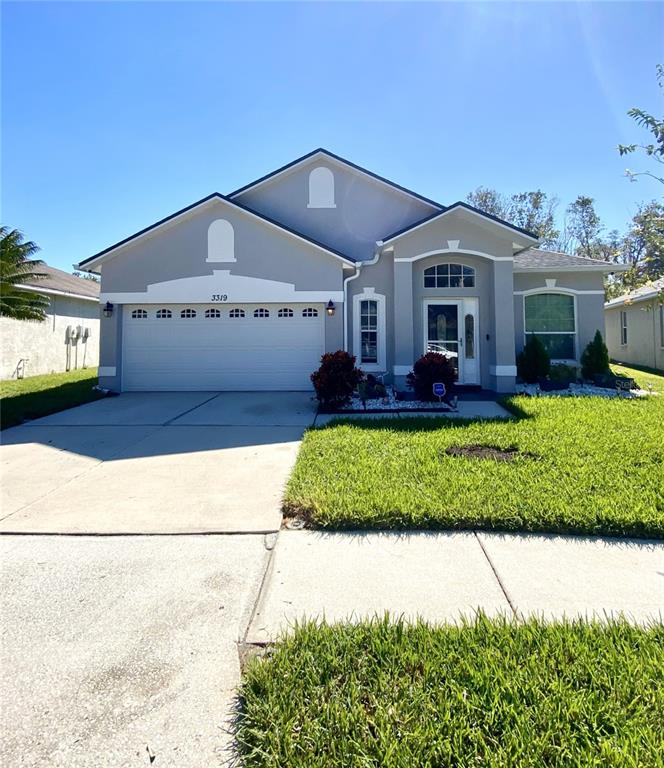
(118, 649)
(184, 462)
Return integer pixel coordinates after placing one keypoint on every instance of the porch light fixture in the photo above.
(108, 309)
(330, 308)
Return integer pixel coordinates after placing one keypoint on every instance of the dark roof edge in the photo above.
(339, 159)
(460, 204)
(224, 198)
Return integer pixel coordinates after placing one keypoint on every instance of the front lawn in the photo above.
(40, 395)
(494, 693)
(582, 465)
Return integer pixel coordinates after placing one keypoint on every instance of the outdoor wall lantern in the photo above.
(330, 309)
(108, 309)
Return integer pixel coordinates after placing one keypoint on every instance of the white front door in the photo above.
(451, 328)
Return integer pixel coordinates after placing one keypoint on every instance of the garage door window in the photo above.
(139, 314)
(187, 313)
(211, 314)
(310, 312)
(162, 314)
(285, 312)
(261, 312)
(235, 313)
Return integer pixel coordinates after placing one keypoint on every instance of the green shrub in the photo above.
(533, 363)
(565, 374)
(336, 379)
(430, 369)
(595, 358)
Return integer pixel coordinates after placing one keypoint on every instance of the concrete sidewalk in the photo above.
(440, 576)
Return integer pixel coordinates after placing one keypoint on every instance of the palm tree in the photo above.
(16, 268)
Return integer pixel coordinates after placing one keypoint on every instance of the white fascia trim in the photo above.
(106, 370)
(196, 208)
(457, 210)
(333, 161)
(369, 294)
(402, 370)
(627, 302)
(502, 370)
(606, 268)
(54, 292)
(558, 289)
(464, 251)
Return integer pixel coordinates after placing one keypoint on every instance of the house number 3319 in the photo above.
(219, 297)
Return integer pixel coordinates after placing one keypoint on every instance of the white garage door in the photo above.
(221, 347)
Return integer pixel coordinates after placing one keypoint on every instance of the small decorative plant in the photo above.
(429, 370)
(595, 359)
(336, 379)
(533, 363)
(562, 374)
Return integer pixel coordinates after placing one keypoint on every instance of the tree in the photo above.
(87, 276)
(533, 211)
(655, 125)
(18, 267)
(489, 201)
(583, 226)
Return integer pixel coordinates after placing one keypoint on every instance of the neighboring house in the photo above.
(69, 336)
(245, 291)
(635, 326)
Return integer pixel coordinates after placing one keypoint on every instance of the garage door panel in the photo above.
(221, 353)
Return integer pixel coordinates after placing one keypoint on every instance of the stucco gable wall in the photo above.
(366, 210)
(443, 233)
(181, 251)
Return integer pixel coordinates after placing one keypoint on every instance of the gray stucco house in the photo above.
(246, 291)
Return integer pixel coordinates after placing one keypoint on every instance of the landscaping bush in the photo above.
(533, 363)
(336, 379)
(563, 374)
(595, 358)
(429, 370)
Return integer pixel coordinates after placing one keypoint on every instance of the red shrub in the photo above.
(429, 370)
(336, 379)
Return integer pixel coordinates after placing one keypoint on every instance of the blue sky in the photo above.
(117, 114)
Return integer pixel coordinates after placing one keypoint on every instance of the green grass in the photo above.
(586, 465)
(38, 396)
(494, 694)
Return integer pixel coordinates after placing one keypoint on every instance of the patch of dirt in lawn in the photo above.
(487, 452)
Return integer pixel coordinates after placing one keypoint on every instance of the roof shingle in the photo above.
(64, 282)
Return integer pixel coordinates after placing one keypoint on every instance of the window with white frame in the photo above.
(187, 314)
(310, 312)
(368, 331)
(551, 317)
(449, 276)
(369, 337)
(163, 314)
(139, 314)
(285, 312)
(235, 313)
(212, 314)
(623, 327)
(261, 312)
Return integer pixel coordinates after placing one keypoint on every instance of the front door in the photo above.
(451, 329)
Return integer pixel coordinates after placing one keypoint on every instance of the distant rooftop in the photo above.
(643, 292)
(58, 281)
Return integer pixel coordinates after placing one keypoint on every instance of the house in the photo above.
(67, 338)
(245, 291)
(635, 326)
